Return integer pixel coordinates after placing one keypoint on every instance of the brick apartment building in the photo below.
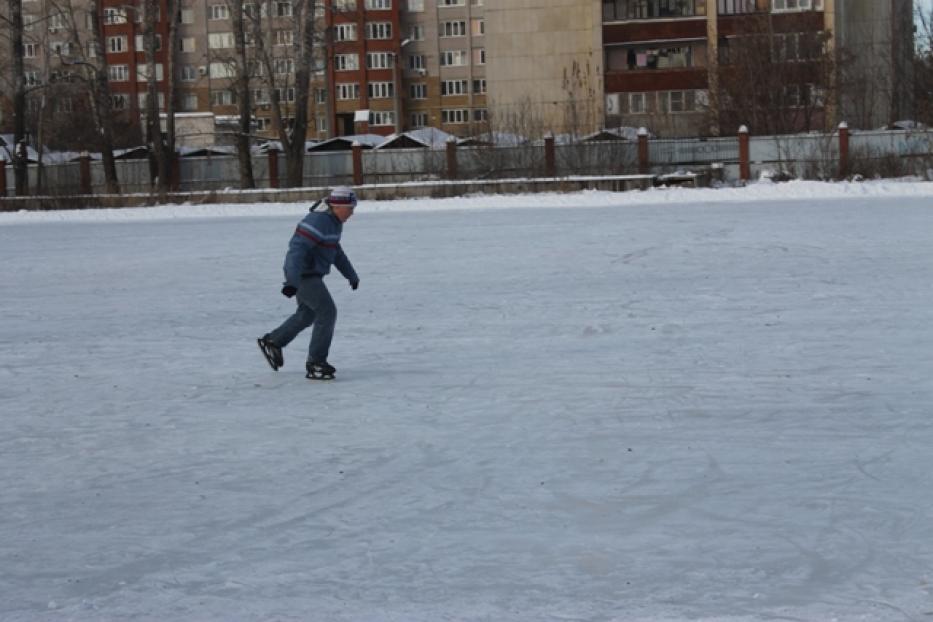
(384, 66)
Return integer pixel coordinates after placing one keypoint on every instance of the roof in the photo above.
(425, 137)
(345, 143)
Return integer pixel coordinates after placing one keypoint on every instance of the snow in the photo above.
(670, 405)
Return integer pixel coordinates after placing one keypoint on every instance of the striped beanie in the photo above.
(341, 196)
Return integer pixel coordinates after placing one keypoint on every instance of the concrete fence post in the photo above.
(452, 157)
(357, 163)
(273, 168)
(643, 164)
(843, 150)
(175, 174)
(745, 169)
(550, 165)
(84, 169)
(2, 179)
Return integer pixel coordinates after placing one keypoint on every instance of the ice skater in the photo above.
(314, 247)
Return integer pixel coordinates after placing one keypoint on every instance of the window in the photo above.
(416, 32)
(120, 101)
(453, 87)
(418, 91)
(452, 58)
(453, 29)
(322, 125)
(260, 97)
(142, 72)
(734, 7)
(188, 44)
(638, 58)
(64, 104)
(90, 50)
(479, 86)
(56, 22)
(637, 103)
(116, 44)
(222, 70)
(263, 124)
(477, 27)
(419, 119)
(141, 45)
(320, 96)
(480, 115)
(344, 5)
(118, 73)
(479, 56)
(379, 60)
(455, 116)
(283, 9)
(187, 16)
(223, 97)
(189, 102)
(60, 48)
(31, 78)
(114, 15)
(443, 3)
(378, 5)
(346, 62)
(417, 62)
(378, 117)
(347, 91)
(286, 94)
(378, 30)
(796, 5)
(218, 11)
(220, 40)
(30, 50)
(283, 66)
(284, 37)
(381, 90)
(415, 6)
(680, 101)
(189, 73)
(651, 9)
(345, 32)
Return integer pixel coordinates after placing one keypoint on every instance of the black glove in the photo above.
(289, 290)
(354, 285)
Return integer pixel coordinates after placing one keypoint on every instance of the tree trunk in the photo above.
(153, 124)
(304, 54)
(171, 104)
(244, 101)
(20, 163)
(101, 105)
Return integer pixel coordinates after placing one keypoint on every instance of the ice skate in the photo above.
(320, 371)
(272, 352)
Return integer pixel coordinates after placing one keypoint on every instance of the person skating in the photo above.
(313, 249)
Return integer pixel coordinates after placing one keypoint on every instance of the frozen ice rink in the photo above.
(674, 405)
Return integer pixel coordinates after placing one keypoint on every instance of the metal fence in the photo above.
(814, 156)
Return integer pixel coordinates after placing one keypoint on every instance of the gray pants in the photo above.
(315, 306)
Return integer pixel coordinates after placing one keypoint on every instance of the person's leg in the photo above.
(313, 294)
(297, 322)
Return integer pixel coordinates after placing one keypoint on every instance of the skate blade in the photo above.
(320, 376)
(269, 358)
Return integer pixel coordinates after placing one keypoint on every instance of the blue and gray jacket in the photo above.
(315, 247)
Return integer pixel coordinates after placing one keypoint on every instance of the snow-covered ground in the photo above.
(671, 405)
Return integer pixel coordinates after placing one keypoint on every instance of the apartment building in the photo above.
(668, 62)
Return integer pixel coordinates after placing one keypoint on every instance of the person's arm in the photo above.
(342, 263)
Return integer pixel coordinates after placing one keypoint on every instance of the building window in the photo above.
(796, 5)
(479, 86)
(453, 87)
(346, 62)
(419, 119)
(416, 32)
(142, 72)
(29, 50)
(479, 56)
(378, 117)
(222, 70)
(284, 37)
(347, 91)
(378, 30)
(141, 44)
(31, 78)
(417, 62)
(342, 6)
(218, 11)
(283, 66)
(117, 44)
(189, 102)
(477, 27)
(118, 73)
(453, 58)
(381, 90)
(453, 29)
(220, 40)
(378, 5)
(637, 103)
(415, 6)
(114, 15)
(418, 91)
(223, 97)
(187, 16)
(286, 94)
(322, 124)
(651, 9)
(320, 96)
(480, 115)
(56, 22)
(345, 32)
(188, 44)
(735, 7)
(120, 101)
(443, 3)
(189, 73)
(378, 60)
(643, 57)
(455, 116)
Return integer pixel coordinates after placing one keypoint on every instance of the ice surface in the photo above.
(672, 405)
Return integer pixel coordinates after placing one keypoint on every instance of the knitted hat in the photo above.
(341, 196)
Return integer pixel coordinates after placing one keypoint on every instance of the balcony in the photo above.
(637, 10)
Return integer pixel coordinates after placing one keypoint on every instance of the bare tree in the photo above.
(18, 79)
(923, 66)
(244, 99)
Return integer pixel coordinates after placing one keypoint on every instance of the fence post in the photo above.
(273, 168)
(550, 167)
(744, 165)
(2, 179)
(452, 157)
(175, 175)
(357, 163)
(843, 150)
(643, 164)
(84, 168)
